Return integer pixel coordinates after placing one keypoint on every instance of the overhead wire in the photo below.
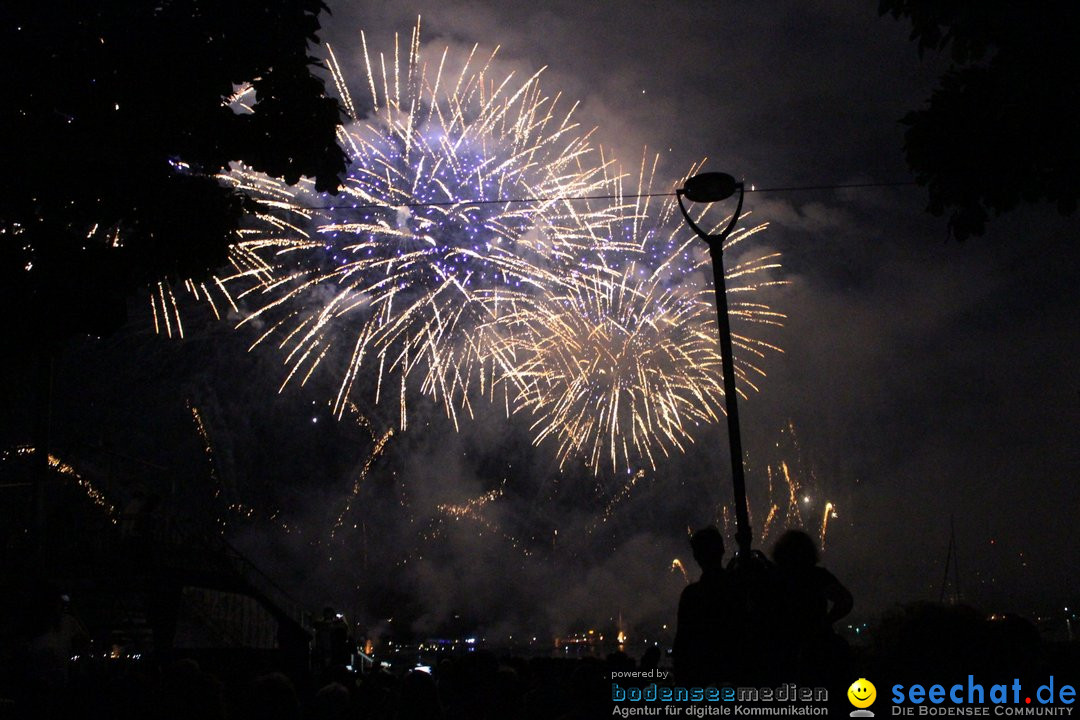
(628, 196)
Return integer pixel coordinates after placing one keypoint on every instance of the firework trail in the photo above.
(828, 512)
(793, 494)
(676, 564)
(615, 501)
(409, 264)
(226, 496)
(376, 452)
(472, 510)
(165, 311)
(208, 447)
(66, 470)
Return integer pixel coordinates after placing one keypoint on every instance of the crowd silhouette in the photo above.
(760, 621)
(752, 621)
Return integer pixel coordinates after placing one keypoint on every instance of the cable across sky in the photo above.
(501, 201)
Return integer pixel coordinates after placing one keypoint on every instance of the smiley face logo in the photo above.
(862, 693)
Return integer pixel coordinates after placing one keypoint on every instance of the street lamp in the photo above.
(715, 187)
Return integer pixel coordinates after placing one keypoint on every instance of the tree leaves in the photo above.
(113, 127)
(1000, 128)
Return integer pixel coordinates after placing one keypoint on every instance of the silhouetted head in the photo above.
(273, 697)
(708, 547)
(795, 549)
(651, 658)
(332, 702)
(44, 607)
(419, 697)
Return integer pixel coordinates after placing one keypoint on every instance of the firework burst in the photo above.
(612, 366)
(620, 361)
(427, 273)
(407, 266)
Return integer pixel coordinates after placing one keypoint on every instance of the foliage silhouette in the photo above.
(1000, 127)
(114, 123)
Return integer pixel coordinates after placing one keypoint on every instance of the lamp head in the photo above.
(709, 187)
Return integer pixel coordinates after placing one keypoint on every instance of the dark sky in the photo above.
(926, 379)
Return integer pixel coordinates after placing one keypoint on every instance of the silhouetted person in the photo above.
(187, 693)
(332, 702)
(54, 636)
(332, 646)
(273, 697)
(419, 698)
(650, 660)
(809, 599)
(620, 661)
(948, 641)
(507, 701)
(711, 618)
(586, 691)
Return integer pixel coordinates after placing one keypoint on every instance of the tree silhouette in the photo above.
(1000, 128)
(114, 122)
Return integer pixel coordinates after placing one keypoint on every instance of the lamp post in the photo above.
(714, 187)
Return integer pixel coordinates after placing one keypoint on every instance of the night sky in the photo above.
(925, 379)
